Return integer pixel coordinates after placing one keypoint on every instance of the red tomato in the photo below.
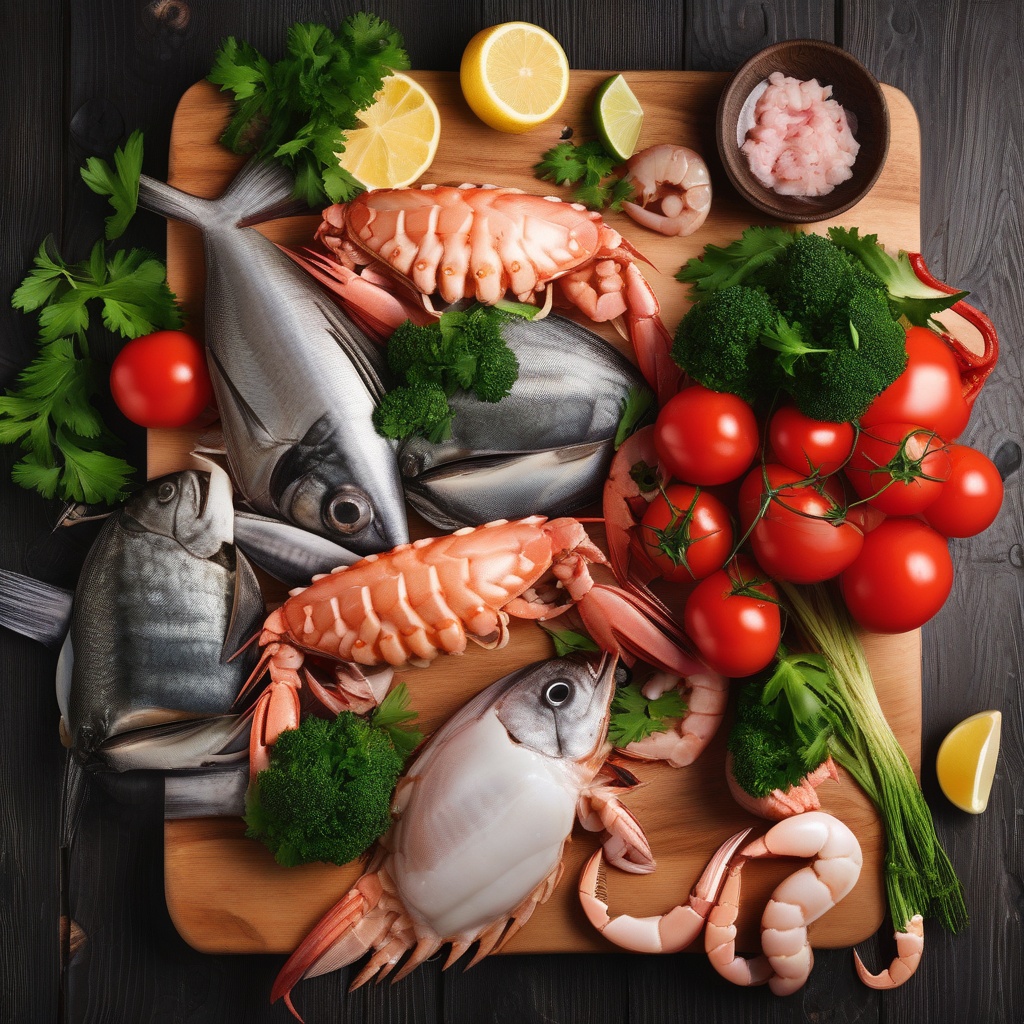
(806, 445)
(901, 578)
(705, 437)
(687, 532)
(928, 392)
(733, 619)
(969, 500)
(898, 467)
(803, 536)
(161, 379)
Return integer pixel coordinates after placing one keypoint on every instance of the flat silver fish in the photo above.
(543, 450)
(296, 381)
(162, 601)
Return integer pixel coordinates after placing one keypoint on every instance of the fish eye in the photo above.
(165, 492)
(349, 511)
(557, 693)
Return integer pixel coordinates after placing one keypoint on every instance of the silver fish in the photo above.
(296, 381)
(162, 601)
(543, 450)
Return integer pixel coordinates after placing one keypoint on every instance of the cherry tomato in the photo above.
(929, 392)
(161, 379)
(898, 467)
(803, 536)
(733, 619)
(901, 578)
(705, 437)
(806, 445)
(687, 532)
(969, 500)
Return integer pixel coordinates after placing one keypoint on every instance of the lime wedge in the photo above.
(966, 762)
(618, 117)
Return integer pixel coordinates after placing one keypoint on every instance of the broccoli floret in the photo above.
(414, 409)
(718, 342)
(813, 276)
(909, 295)
(840, 389)
(879, 337)
(497, 369)
(326, 795)
(430, 355)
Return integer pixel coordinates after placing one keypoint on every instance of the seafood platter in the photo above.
(611, 753)
(212, 872)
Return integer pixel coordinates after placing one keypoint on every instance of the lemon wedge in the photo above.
(399, 136)
(618, 117)
(514, 76)
(966, 762)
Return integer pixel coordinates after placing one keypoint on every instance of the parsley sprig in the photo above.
(51, 412)
(296, 111)
(392, 715)
(635, 716)
(585, 166)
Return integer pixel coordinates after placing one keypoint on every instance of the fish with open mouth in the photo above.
(543, 450)
(164, 599)
(296, 381)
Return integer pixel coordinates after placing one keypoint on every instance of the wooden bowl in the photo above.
(853, 86)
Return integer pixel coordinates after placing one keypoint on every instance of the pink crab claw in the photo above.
(909, 948)
(665, 933)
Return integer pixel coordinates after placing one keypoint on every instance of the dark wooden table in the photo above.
(77, 77)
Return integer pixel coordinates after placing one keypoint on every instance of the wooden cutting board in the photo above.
(225, 894)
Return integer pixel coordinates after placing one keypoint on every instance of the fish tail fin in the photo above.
(261, 191)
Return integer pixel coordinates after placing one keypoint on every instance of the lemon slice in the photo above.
(514, 76)
(399, 138)
(618, 117)
(966, 762)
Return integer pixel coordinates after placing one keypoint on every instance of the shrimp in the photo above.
(706, 704)
(779, 804)
(909, 947)
(797, 901)
(674, 178)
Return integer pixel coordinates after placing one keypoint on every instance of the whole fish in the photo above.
(543, 450)
(480, 821)
(296, 381)
(162, 601)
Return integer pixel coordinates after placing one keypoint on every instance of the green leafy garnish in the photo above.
(120, 183)
(298, 110)
(635, 716)
(51, 413)
(585, 166)
(723, 266)
(391, 714)
(568, 641)
(637, 407)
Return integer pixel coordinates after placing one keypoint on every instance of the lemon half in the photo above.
(514, 76)
(966, 762)
(399, 136)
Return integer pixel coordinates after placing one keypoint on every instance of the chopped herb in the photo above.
(585, 166)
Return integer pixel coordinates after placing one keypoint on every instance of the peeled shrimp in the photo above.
(706, 704)
(909, 947)
(798, 900)
(674, 189)
(779, 803)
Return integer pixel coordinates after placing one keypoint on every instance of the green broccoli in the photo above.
(910, 297)
(414, 409)
(431, 355)
(327, 793)
(497, 369)
(718, 342)
(812, 277)
(782, 726)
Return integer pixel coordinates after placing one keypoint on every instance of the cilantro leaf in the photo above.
(568, 641)
(722, 266)
(120, 183)
(585, 166)
(635, 716)
(391, 714)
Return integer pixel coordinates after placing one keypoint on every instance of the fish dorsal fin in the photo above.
(247, 609)
(34, 609)
(364, 354)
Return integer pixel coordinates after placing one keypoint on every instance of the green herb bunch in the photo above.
(51, 412)
(586, 166)
(296, 111)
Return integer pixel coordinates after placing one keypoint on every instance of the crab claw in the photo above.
(665, 933)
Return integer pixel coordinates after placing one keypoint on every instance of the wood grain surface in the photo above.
(224, 892)
(77, 78)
